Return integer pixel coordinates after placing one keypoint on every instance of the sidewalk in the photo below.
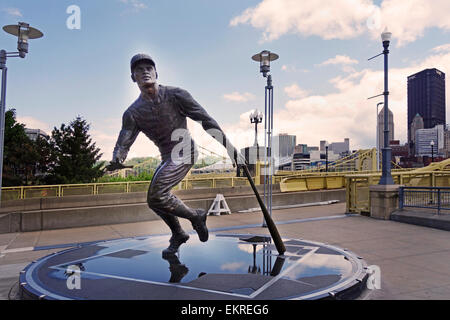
(414, 260)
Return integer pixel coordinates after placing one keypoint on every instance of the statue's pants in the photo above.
(162, 201)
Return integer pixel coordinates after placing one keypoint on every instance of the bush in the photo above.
(143, 176)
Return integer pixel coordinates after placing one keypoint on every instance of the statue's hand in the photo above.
(236, 157)
(116, 165)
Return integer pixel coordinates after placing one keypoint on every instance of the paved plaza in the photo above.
(414, 260)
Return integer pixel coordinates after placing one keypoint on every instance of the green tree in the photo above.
(73, 154)
(45, 159)
(23, 159)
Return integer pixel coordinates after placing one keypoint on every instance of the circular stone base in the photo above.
(226, 267)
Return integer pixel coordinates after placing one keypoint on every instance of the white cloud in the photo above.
(249, 247)
(233, 266)
(239, 97)
(339, 60)
(408, 19)
(442, 48)
(136, 5)
(342, 19)
(290, 68)
(13, 12)
(33, 123)
(346, 19)
(343, 61)
(294, 91)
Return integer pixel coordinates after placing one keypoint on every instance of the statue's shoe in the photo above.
(177, 269)
(177, 272)
(199, 224)
(175, 242)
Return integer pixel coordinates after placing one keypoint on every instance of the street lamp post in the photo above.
(264, 58)
(24, 32)
(386, 177)
(378, 139)
(256, 118)
(326, 157)
(432, 150)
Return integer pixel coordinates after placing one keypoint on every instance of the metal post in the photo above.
(326, 158)
(268, 146)
(400, 198)
(439, 200)
(378, 147)
(256, 121)
(432, 153)
(2, 114)
(256, 133)
(265, 154)
(269, 82)
(386, 177)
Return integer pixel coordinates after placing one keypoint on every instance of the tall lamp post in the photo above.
(256, 118)
(432, 150)
(386, 151)
(264, 58)
(23, 32)
(326, 156)
(378, 139)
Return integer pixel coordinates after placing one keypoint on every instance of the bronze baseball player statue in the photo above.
(160, 112)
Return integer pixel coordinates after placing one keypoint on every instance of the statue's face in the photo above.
(145, 74)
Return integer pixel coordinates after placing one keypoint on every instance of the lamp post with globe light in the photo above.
(386, 177)
(23, 32)
(386, 151)
(256, 118)
(264, 58)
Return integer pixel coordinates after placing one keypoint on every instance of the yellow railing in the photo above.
(45, 191)
(218, 182)
(361, 160)
(319, 180)
(312, 181)
(357, 185)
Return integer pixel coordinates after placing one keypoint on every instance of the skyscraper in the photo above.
(381, 127)
(341, 148)
(426, 97)
(425, 136)
(416, 124)
(284, 144)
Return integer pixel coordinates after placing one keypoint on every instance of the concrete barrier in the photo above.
(422, 217)
(92, 210)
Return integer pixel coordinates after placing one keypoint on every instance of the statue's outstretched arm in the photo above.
(127, 136)
(192, 109)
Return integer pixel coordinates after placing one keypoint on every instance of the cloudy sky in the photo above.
(321, 81)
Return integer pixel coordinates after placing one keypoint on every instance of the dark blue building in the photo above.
(426, 97)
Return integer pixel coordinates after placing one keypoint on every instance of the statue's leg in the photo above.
(160, 198)
(178, 235)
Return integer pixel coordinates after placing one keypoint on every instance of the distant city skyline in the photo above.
(321, 81)
(426, 98)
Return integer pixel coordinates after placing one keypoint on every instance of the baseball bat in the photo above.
(270, 224)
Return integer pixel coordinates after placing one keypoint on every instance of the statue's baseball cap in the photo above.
(140, 57)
